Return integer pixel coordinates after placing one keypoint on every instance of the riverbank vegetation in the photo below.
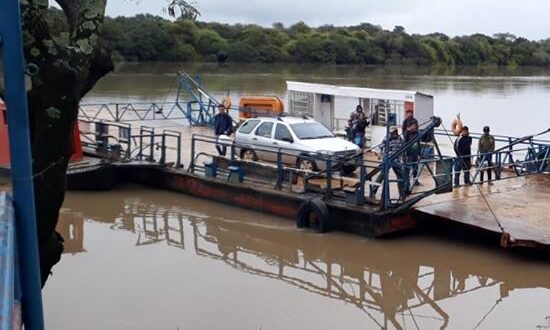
(152, 38)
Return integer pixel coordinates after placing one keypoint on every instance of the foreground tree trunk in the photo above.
(61, 76)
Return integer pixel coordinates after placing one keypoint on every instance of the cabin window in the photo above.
(387, 112)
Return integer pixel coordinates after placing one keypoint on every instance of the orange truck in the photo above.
(260, 106)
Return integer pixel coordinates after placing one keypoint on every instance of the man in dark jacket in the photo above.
(223, 125)
(463, 149)
(485, 147)
(359, 124)
(410, 132)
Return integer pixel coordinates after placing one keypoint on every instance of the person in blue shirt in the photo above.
(223, 125)
(395, 143)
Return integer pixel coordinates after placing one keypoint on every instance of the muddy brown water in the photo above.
(138, 258)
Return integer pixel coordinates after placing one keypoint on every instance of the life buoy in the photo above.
(316, 210)
(457, 126)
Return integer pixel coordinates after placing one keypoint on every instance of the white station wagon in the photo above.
(302, 141)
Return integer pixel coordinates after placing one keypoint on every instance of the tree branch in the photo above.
(101, 64)
(71, 9)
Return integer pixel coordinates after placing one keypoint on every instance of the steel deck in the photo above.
(521, 206)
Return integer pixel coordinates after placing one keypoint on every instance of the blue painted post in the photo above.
(192, 161)
(21, 164)
(386, 171)
(280, 170)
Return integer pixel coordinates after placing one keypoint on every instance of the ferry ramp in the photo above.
(517, 207)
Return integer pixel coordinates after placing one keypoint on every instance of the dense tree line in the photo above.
(152, 38)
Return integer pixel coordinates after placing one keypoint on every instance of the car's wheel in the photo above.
(306, 164)
(250, 155)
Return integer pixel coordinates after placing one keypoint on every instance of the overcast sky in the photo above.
(527, 18)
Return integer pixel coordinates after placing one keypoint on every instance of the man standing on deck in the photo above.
(463, 149)
(359, 124)
(485, 148)
(395, 143)
(410, 132)
(223, 126)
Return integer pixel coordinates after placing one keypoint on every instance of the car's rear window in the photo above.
(306, 131)
(248, 126)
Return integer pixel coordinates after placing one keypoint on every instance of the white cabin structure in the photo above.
(332, 105)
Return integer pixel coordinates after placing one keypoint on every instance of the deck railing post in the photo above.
(21, 164)
(163, 149)
(233, 156)
(362, 177)
(129, 143)
(178, 157)
(192, 161)
(152, 145)
(140, 155)
(329, 177)
(280, 172)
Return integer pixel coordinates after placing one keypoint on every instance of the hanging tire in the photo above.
(313, 214)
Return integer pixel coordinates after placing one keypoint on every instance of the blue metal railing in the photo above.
(21, 164)
(513, 161)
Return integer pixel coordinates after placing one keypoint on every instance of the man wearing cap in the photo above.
(359, 124)
(410, 132)
(485, 147)
(223, 125)
(463, 149)
(395, 143)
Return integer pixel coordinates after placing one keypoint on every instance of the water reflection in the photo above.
(71, 227)
(391, 286)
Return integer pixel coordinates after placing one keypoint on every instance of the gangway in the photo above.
(201, 106)
(193, 103)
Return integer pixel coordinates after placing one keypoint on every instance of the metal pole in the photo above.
(178, 160)
(280, 171)
(329, 177)
(192, 160)
(140, 156)
(163, 150)
(21, 164)
(386, 170)
(152, 145)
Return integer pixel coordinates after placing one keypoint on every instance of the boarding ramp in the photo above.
(193, 104)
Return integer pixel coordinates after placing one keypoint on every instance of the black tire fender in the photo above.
(319, 209)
